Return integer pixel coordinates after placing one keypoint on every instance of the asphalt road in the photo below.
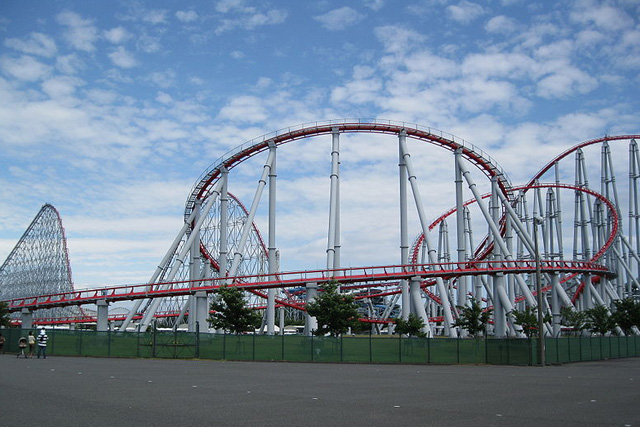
(67, 391)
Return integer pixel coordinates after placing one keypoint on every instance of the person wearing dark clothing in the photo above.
(42, 344)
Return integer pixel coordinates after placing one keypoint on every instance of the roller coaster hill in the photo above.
(493, 241)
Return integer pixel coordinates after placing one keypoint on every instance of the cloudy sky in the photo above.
(110, 111)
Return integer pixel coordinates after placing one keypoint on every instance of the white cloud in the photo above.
(465, 11)
(603, 16)
(225, 6)
(339, 19)
(61, 86)
(246, 18)
(396, 38)
(163, 79)
(69, 64)
(244, 109)
(186, 16)
(24, 68)
(565, 82)
(122, 58)
(117, 35)
(501, 25)
(374, 4)
(80, 33)
(148, 44)
(34, 44)
(155, 16)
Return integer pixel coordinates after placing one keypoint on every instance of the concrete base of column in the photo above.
(27, 318)
(103, 316)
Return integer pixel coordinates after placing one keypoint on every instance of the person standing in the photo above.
(31, 340)
(2, 340)
(42, 344)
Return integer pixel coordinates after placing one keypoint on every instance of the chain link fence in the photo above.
(346, 349)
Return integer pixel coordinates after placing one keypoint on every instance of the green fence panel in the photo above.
(624, 346)
(511, 351)
(357, 349)
(211, 346)
(615, 347)
(268, 347)
(443, 350)
(124, 344)
(414, 350)
(12, 335)
(64, 343)
(326, 349)
(174, 345)
(385, 349)
(596, 344)
(574, 349)
(95, 343)
(298, 348)
(239, 347)
(144, 344)
(472, 351)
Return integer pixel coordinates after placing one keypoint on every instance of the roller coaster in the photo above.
(553, 241)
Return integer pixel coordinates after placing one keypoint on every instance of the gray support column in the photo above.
(27, 318)
(180, 259)
(194, 264)
(499, 313)
(418, 305)
(461, 250)
(271, 292)
(161, 267)
(446, 307)
(404, 233)
(103, 316)
(311, 323)
(201, 304)
(333, 198)
(281, 311)
(224, 222)
(246, 229)
(555, 304)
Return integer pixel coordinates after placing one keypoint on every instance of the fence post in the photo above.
(400, 347)
(109, 342)
(224, 345)
(153, 340)
(197, 340)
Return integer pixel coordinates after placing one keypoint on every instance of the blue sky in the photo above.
(111, 110)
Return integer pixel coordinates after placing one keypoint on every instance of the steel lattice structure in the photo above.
(496, 243)
(39, 263)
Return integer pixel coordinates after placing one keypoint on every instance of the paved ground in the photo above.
(66, 391)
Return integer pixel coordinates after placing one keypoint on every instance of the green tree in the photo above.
(627, 314)
(473, 318)
(230, 312)
(599, 320)
(335, 312)
(4, 314)
(577, 320)
(528, 320)
(412, 326)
